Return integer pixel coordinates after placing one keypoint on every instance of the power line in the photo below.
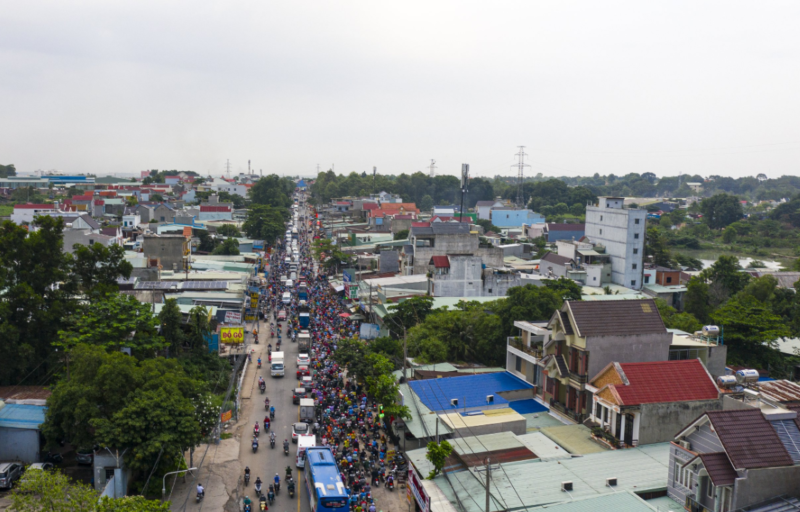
(432, 168)
(520, 165)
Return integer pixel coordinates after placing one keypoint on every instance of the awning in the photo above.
(344, 315)
(338, 288)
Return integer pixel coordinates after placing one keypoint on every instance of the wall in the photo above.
(215, 215)
(626, 349)
(19, 444)
(389, 262)
(455, 244)
(168, 249)
(398, 225)
(463, 280)
(675, 490)
(616, 230)
(554, 236)
(515, 218)
(83, 237)
(717, 357)
(660, 422)
(763, 484)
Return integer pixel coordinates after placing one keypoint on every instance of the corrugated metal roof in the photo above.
(545, 448)
(719, 468)
(22, 416)
(470, 390)
(614, 502)
(782, 391)
(420, 414)
(576, 439)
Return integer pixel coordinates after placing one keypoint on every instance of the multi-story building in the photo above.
(621, 231)
(442, 239)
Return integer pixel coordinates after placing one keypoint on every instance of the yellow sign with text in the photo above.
(231, 335)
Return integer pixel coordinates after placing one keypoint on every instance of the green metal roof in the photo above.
(575, 439)
(615, 502)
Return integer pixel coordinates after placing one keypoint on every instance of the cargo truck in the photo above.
(277, 368)
(305, 320)
(307, 410)
(304, 342)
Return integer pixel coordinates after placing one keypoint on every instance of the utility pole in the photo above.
(488, 479)
(464, 188)
(520, 165)
(228, 168)
(248, 167)
(432, 167)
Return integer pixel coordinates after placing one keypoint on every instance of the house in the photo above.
(461, 275)
(73, 237)
(507, 217)
(672, 294)
(144, 211)
(215, 212)
(484, 208)
(442, 239)
(130, 221)
(166, 251)
(111, 474)
(98, 208)
(399, 208)
(555, 265)
(553, 232)
(589, 335)
(22, 410)
(163, 213)
(82, 203)
(172, 180)
(524, 352)
(728, 460)
(86, 222)
(696, 186)
(25, 213)
(621, 232)
(645, 403)
(445, 210)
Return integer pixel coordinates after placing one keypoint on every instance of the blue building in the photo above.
(507, 218)
(554, 232)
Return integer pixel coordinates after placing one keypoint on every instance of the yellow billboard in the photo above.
(231, 335)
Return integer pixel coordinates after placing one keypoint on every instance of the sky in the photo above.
(693, 87)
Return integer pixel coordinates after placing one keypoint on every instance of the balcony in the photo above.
(516, 342)
(581, 379)
(578, 417)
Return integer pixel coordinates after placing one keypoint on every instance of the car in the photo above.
(85, 457)
(299, 429)
(10, 472)
(37, 466)
(303, 360)
(298, 394)
(303, 371)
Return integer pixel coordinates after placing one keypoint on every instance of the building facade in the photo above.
(621, 231)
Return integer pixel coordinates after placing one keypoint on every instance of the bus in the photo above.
(326, 491)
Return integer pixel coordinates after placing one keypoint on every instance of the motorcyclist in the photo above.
(247, 500)
(286, 448)
(272, 437)
(259, 362)
(262, 501)
(269, 347)
(277, 482)
(258, 485)
(266, 423)
(255, 429)
(272, 412)
(200, 490)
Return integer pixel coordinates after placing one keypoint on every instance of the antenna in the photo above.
(228, 168)
(374, 172)
(248, 167)
(432, 167)
(464, 188)
(520, 165)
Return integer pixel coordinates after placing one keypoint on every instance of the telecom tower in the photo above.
(432, 167)
(464, 187)
(520, 165)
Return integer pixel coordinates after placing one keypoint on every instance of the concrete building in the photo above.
(506, 217)
(587, 336)
(73, 237)
(215, 212)
(25, 213)
(555, 265)
(645, 403)
(86, 222)
(145, 212)
(524, 352)
(554, 232)
(131, 221)
(484, 208)
(168, 252)
(464, 276)
(729, 460)
(442, 239)
(621, 231)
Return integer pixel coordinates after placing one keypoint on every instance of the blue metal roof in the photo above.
(470, 390)
(528, 406)
(22, 416)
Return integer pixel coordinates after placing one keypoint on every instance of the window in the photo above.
(633, 282)
(518, 364)
(635, 221)
(636, 236)
(669, 279)
(601, 218)
(91, 241)
(710, 488)
(633, 266)
(646, 278)
(594, 279)
(601, 231)
(678, 473)
(635, 251)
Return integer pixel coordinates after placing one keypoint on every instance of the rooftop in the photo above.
(615, 317)
(21, 416)
(781, 391)
(749, 439)
(470, 390)
(663, 381)
(552, 257)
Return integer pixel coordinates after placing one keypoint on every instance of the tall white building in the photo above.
(622, 232)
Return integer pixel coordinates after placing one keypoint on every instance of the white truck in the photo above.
(303, 443)
(307, 414)
(277, 367)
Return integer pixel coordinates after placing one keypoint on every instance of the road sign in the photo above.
(231, 335)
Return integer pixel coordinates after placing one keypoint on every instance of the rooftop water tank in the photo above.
(711, 330)
(726, 381)
(746, 376)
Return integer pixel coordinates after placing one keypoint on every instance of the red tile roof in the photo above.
(215, 208)
(441, 261)
(29, 206)
(405, 217)
(370, 206)
(85, 197)
(749, 439)
(99, 202)
(665, 381)
(420, 224)
(719, 468)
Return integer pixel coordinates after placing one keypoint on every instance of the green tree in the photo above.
(750, 330)
(729, 235)
(487, 225)
(726, 278)
(272, 191)
(98, 267)
(199, 328)
(696, 300)
(114, 321)
(437, 455)
(229, 230)
(265, 222)
(401, 235)
(229, 247)
(7, 170)
(156, 198)
(721, 210)
(408, 313)
(171, 322)
(656, 248)
(426, 204)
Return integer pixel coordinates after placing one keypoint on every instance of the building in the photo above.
(131, 221)
(73, 237)
(524, 352)
(507, 217)
(727, 460)
(484, 208)
(86, 222)
(644, 403)
(167, 252)
(553, 232)
(621, 232)
(22, 410)
(25, 213)
(464, 276)
(555, 265)
(442, 239)
(587, 336)
(215, 212)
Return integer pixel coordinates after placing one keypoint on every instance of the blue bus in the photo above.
(326, 491)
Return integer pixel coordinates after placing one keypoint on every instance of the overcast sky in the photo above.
(592, 86)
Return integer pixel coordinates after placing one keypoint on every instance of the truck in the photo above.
(307, 414)
(305, 320)
(302, 291)
(304, 341)
(277, 367)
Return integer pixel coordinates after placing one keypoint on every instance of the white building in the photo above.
(131, 221)
(621, 231)
(27, 212)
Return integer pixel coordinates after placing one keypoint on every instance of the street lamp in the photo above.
(164, 481)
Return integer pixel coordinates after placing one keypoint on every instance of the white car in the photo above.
(303, 360)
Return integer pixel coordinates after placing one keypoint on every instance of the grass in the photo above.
(225, 435)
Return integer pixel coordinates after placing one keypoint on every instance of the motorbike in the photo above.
(271, 414)
(258, 489)
(390, 485)
(271, 497)
(246, 479)
(290, 487)
(200, 496)
(286, 450)
(256, 431)
(272, 443)
(266, 404)
(247, 508)
(259, 365)
(262, 503)
(263, 387)
(255, 447)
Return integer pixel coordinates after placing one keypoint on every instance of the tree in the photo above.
(696, 300)
(426, 204)
(53, 491)
(112, 399)
(7, 170)
(114, 321)
(272, 191)
(721, 210)
(265, 223)
(531, 303)
(98, 267)
(750, 329)
(156, 198)
(229, 230)
(487, 225)
(229, 247)
(437, 455)
(656, 248)
(199, 328)
(171, 322)
(401, 235)
(727, 275)
(408, 313)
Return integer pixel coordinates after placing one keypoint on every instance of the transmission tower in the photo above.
(432, 167)
(520, 165)
(228, 168)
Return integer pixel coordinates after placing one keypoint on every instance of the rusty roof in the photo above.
(616, 317)
(719, 468)
(24, 393)
(749, 439)
(782, 391)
